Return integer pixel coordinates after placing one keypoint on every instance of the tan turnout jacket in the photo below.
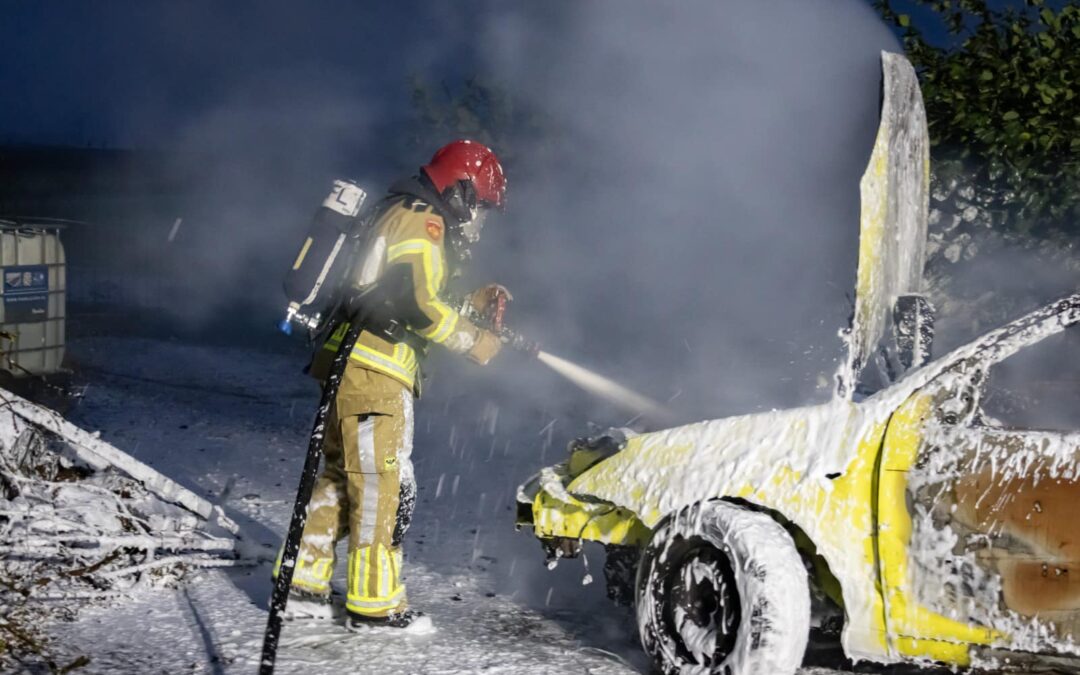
(409, 243)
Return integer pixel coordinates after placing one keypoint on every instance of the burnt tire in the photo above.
(721, 589)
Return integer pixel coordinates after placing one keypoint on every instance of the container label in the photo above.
(26, 293)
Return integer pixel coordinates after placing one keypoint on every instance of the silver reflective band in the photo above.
(365, 444)
(369, 509)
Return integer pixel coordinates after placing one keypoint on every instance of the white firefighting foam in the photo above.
(721, 456)
(894, 205)
(805, 449)
(464, 565)
(74, 534)
(948, 570)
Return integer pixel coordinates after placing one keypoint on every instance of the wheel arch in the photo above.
(818, 569)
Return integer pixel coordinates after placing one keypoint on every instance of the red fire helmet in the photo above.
(471, 161)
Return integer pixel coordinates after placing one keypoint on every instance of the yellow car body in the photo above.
(839, 475)
(942, 535)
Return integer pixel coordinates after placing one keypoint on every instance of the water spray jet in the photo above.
(597, 384)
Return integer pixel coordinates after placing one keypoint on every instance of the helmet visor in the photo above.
(472, 228)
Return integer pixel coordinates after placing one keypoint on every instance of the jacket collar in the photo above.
(417, 187)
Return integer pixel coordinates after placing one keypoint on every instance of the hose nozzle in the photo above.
(519, 343)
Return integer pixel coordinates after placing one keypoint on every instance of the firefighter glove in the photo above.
(490, 303)
(485, 348)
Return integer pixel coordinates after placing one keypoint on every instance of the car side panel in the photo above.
(978, 535)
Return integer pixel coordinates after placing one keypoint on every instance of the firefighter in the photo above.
(420, 239)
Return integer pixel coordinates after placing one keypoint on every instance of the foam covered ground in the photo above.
(232, 424)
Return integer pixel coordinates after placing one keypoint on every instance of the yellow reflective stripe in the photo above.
(303, 252)
(365, 563)
(277, 563)
(390, 599)
(314, 575)
(367, 605)
(431, 261)
(317, 586)
(380, 573)
(351, 581)
(334, 341)
(442, 330)
(357, 570)
(430, 258)
(322, 568)
(404, 368)
(407, 357)
(374, 602)
(373, 579)
(402, 363)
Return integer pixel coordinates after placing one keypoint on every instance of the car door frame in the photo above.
(913, 631)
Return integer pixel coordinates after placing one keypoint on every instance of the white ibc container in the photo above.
(33, 294)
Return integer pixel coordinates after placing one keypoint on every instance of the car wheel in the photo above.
(721, 589)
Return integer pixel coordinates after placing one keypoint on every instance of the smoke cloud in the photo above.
(692, 224)
(688, 225)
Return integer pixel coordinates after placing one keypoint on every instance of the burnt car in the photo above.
(934, 515)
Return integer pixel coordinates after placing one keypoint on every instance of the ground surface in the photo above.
(231, 423)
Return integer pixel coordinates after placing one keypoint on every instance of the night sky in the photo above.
(135, 74)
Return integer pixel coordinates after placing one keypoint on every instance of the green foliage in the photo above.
(1003, 104)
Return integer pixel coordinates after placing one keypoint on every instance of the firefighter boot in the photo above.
(414, 621)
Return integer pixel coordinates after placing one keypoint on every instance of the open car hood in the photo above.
(894, 197)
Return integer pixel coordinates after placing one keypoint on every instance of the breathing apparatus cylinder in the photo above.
(314, 284)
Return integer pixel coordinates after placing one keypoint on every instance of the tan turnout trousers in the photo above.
(367, 490)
